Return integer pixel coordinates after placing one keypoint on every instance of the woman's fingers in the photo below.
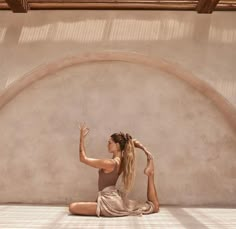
(84, 134)
(83, 128)
(82, 125)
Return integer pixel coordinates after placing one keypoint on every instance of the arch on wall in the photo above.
(174, 69)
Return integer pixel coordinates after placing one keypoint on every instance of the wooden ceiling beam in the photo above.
(116, 5)
(201, 6)
(18, 6)
(206, 6)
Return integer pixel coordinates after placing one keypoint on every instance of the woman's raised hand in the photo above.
(83, 129)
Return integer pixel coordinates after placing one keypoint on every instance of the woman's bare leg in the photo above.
(83, 208)
(151, 189)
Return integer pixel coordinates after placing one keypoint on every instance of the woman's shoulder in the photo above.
(117, 163)
(117, 159)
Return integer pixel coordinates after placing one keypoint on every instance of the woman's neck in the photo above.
(117, 154)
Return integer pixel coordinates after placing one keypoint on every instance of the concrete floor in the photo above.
(32, 216)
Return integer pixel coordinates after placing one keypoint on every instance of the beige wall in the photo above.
(190, 132)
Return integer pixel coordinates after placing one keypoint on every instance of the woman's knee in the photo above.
(72, 207)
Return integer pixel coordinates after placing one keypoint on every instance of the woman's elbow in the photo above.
(82, 159)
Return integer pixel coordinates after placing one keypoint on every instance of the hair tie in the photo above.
(126, 136)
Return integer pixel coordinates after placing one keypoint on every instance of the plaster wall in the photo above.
(191, 135)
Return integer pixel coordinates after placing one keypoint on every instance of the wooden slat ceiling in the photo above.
(200, 6)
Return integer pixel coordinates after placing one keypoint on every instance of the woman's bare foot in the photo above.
(149, 170)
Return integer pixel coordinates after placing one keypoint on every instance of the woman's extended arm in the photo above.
(107, 164)
(138, 144)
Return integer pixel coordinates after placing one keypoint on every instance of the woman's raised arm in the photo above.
(107, 164)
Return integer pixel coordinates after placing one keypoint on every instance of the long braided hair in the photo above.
(128, 158)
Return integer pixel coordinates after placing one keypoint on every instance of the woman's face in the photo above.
(112, 146)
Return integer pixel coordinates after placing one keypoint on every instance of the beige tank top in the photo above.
(107, 179)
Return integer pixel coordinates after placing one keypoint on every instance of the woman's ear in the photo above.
(118, 146)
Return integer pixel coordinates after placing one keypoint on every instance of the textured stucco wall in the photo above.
(192, 141)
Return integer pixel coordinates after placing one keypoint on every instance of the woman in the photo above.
(112, 201)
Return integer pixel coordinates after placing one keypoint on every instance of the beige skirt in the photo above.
(113, 202)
